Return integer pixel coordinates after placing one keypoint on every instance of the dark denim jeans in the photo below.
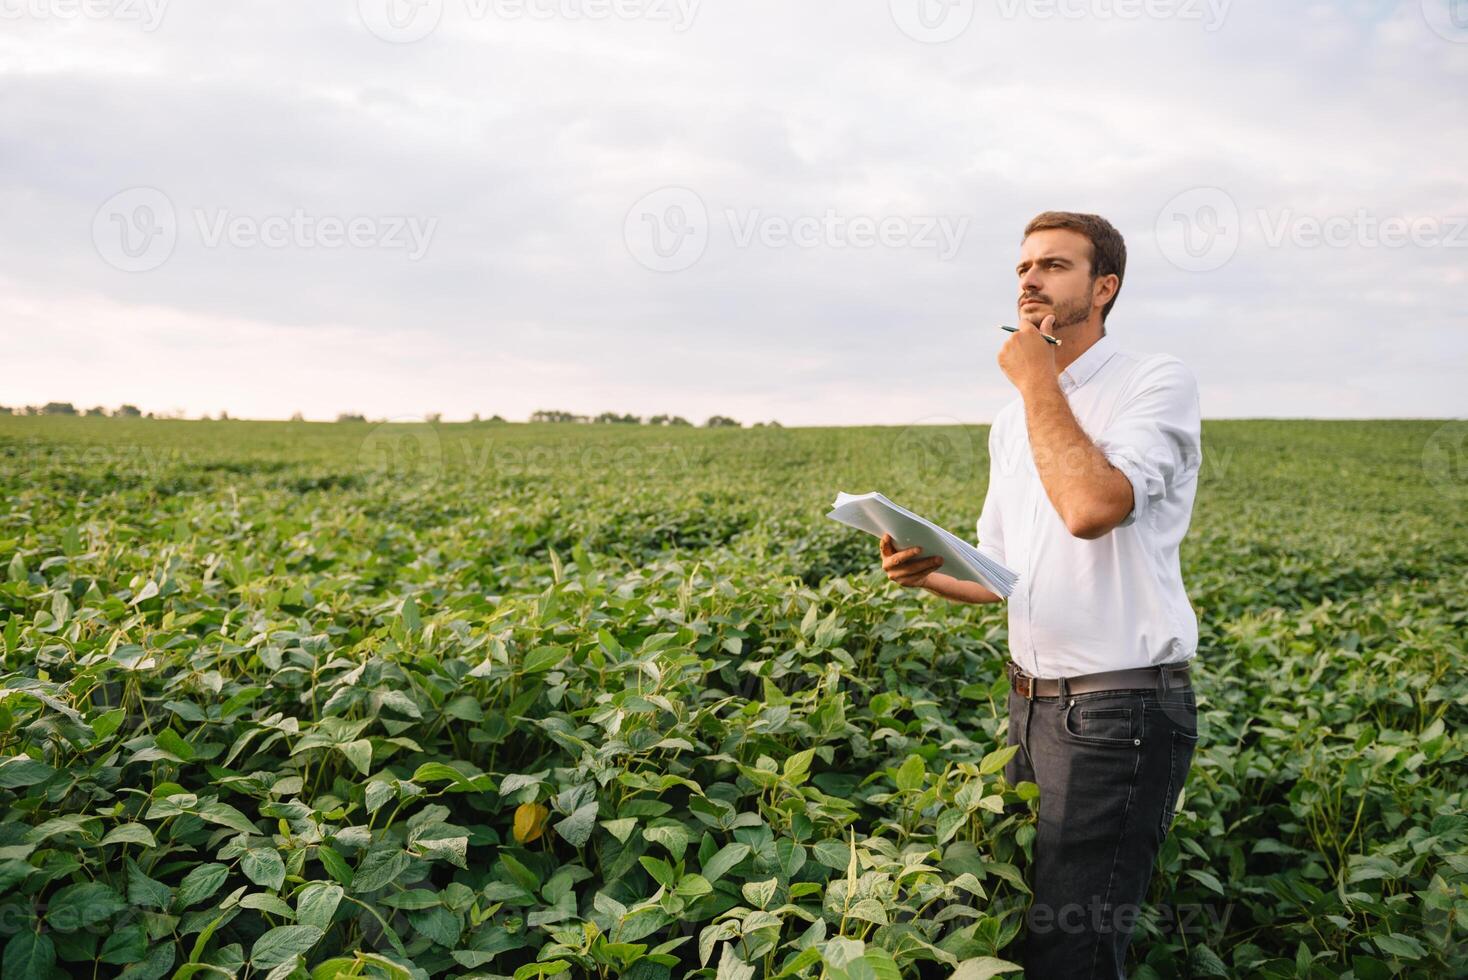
(1110, 765)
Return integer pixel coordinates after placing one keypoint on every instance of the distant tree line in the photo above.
(543, 415)
(612, 418)
(67, 408)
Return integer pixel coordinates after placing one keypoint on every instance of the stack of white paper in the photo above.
(875, 514)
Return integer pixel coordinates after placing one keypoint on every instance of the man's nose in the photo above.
(1030, 282)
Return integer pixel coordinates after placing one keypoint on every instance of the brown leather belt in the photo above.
(1028, 686)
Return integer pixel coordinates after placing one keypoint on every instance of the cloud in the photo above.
(525, 140)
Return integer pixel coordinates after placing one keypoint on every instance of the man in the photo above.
(1092, 474)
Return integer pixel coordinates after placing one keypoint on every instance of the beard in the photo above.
(1067, 314)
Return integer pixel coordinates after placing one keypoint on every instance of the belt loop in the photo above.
(1062, 690)
(1164, 684)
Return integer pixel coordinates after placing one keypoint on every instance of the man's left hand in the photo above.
(1027, 358)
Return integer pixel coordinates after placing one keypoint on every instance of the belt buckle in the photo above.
(1023, 683)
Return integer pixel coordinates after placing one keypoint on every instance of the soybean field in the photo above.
(322, 700)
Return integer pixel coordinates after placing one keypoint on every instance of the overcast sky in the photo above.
(807, 211)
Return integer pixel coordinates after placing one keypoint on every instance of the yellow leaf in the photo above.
(529, 821)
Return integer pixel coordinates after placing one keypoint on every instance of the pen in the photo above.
(1048, 338)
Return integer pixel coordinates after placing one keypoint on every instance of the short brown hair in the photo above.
(1108, 250)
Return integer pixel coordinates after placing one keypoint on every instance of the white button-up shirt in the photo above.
(1116, 601)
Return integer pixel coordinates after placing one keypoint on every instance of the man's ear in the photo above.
(1104, 289)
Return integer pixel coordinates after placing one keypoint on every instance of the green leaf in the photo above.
(174, 744)
(413, 898)
(283, 943)
(317, 902)
(1207, 879)
(693, 886)
(108, 722)
(576, 829)
(760, 893)
(379, 868)
(526, 878)
(83, 904)
(949, 823)
(29, 956)
(126, 945)
(798, 765)
(832, 853)
(661, 871)
(438, 924)
(728, 856)
(621, 829)
(335, 864)
(130, 833)
(910, 774)
(20, 771)
(379, 792)
(143, 891)
(158, 962)
(264, 867)
(223, 813)
(984, 967)
(670, 834)
(997, 760)
(200, 883)
(543, 659)
(402, 702)
(358, 753)
(1401, 945)
(268, 902)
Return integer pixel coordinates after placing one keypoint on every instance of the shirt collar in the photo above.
(1083, 367)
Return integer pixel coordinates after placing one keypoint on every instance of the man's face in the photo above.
(1055, 277)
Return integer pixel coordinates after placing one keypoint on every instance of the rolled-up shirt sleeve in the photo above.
(1156, 438)
(990, 527)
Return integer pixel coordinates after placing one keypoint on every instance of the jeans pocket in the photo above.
(1181, 758)
(1106, 721)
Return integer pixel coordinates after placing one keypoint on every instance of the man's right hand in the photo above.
(905, 567)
